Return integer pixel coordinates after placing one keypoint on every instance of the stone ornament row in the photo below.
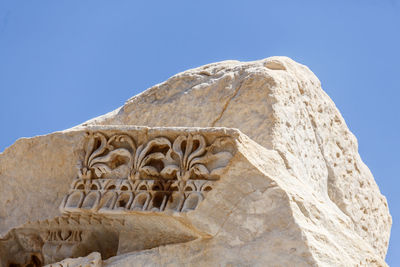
(187, 157)
(124, 196)
(118, 176)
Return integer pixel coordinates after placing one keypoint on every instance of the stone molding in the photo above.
(120, 175)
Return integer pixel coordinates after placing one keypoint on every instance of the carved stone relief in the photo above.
(296, 193)
(76, 235)
(119, 175)
(44, 242)
(116, 176)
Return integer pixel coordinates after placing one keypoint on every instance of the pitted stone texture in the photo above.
(280, 104)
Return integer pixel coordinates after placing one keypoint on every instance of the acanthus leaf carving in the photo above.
(145, 155)
(157, 175)
(191, 158)
(188, 157)
(102, 156)
(181, 159)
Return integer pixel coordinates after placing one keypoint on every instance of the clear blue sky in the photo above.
(63, 62)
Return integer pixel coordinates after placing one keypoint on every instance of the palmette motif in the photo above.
(188, 157)
(120, 150)
(118, 176)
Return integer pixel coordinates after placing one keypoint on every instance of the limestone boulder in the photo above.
(288, 189)
(279, 104)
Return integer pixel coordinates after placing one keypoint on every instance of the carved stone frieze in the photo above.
(123, 195)
(45, 242)
(125, 179)
(187, 157)
(118, 176)
(76, 235)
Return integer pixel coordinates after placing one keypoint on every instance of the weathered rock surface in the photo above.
(294, 192)
(92, 260)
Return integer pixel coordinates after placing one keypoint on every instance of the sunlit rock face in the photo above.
(242, 163)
